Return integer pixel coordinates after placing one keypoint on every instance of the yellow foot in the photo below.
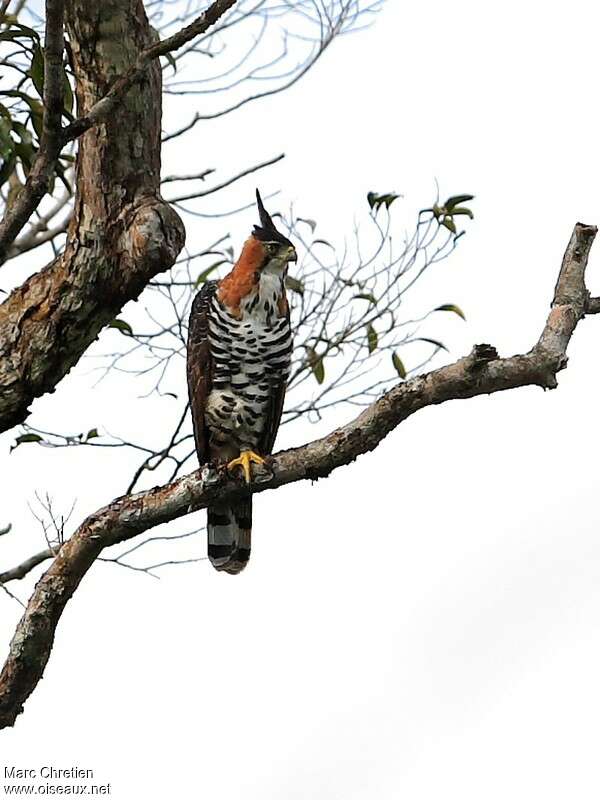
(246, 458)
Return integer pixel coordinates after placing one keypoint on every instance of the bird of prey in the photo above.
(238, 362)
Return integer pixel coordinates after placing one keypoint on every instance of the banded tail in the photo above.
(229, 532)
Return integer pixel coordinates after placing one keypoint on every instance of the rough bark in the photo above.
(122, 232)
(481, 372)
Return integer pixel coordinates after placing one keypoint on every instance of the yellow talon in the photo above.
(246, 458)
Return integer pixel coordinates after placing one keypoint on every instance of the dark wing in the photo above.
(272, 418)
(200, 366)
(273, 412)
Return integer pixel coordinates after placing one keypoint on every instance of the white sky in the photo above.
(425, 623)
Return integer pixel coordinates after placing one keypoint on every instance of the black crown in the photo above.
(266, 231)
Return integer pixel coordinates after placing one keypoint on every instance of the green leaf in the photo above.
(365, 296)
(24, 439)
(92, 434)
(35, 107)
(6, 142)
(456, 199)
(453, 308)
(122, 326)
(462, 211)
(22, 132)
(26, 153)
(434, 342)
(17, 31)
(294, 285)
(10, 36)
(61, 172)
(448, 222)
(203, 277)
(7, 168)
(316, 364)
(398, 365)
(375, 200)
(37, 117)
(36, 69)
(372, 338)
(67, 95)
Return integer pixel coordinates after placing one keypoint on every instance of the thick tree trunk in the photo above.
(122, 233)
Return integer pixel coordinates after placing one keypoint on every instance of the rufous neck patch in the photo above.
(243, 277)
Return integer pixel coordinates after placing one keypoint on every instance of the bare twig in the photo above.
(25, 567)
(11, 595)
(219, 186)
(199, 176)
(29, 242)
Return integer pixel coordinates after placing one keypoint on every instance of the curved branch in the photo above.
(481, 372)
(25, 567)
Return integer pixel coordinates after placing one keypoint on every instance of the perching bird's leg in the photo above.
(246, 458)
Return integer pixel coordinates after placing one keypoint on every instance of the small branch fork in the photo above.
(54, 136)
(104, 107)
(480, 372)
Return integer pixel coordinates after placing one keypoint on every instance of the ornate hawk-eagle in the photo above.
(238, 361)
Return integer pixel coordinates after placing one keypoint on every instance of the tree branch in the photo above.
(122, 233)
(228, 182)
(40, 231)
(593, 305)
(25, 567)
(481, 372)
(104, 107)
(54, 137)
(36, 185)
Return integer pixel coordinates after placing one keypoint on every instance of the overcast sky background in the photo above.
(426, 622)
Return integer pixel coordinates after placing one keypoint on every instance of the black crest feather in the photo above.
(266, 231)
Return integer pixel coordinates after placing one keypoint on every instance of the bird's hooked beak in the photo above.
(292, 254)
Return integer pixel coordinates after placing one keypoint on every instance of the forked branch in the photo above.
(481, 372)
